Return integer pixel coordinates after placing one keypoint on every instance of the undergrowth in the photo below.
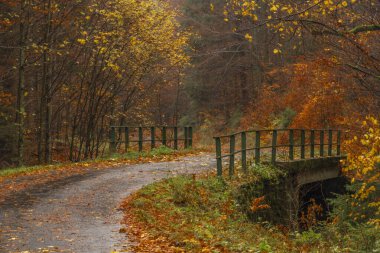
(204, 214)
(196, 216)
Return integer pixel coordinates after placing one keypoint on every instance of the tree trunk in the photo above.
(21, 86)
(46, 85)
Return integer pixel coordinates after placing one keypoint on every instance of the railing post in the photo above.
(291, 144)
(321, 143)
(303, 137)
(186, 137)
(257, 147)
(244, 151)
(164, 136)
(330, 143)
(152, 137)
(312, 143)
(140, 139)
(232, 155)
(175, 138)
(218, 146)
(190, 137)
(126, 138)
(274, 146)
(112, 140)
(338, 141)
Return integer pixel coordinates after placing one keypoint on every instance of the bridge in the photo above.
(308, 156)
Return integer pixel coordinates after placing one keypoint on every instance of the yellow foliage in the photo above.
(363, 163)
(289, 13)
(139, 35)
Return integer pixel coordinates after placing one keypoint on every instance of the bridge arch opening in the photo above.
(317, 194)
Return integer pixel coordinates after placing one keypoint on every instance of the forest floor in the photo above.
(80, 213)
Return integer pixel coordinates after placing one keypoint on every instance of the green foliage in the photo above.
(162, 150)
(348, 237)
(349, 230)
(308, 237)
(235, 119)
(266, 181)
(265, 247)
(7, 172)
(285, 118)
(266, 172)
(346, 210)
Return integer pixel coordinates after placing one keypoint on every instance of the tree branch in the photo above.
(365, 28)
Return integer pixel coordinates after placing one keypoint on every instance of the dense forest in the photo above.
(70, 69)
(282, 63)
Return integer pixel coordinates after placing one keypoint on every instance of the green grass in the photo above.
(8, 172)
(133, 155)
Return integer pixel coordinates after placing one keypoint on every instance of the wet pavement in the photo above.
(80, 213)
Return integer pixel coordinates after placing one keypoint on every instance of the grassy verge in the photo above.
(159, 154)
(185, 214)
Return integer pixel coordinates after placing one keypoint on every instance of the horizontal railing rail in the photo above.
(276, 145)
(128, 135)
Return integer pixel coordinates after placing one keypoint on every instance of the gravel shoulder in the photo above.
(80, 213)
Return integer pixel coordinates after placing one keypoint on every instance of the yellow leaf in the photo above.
(248, 37)
(82, 41)
(212, 7)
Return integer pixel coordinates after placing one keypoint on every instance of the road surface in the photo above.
(80, 213)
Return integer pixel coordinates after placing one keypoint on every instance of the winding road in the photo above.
(80, 213)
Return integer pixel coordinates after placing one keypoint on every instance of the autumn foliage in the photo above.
(316, 92)
(363, 167)
(73, 68)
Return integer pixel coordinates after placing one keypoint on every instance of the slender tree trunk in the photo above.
(175, 114)
(41, 125)
(21, 86)
(48, 131)
(46, 85)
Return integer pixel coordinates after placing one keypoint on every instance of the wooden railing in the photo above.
(275, 145)
(170, 136)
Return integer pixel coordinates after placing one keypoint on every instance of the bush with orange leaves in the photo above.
(310, 218)
(258, 204)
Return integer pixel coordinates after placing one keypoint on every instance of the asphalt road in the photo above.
(80, 213)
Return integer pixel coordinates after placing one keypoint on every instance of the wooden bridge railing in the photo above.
(276, 145)
(166, 135)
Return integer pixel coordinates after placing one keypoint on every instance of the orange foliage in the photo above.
(6, 99)
(310, 218)
(316, 91)
(258, 204)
